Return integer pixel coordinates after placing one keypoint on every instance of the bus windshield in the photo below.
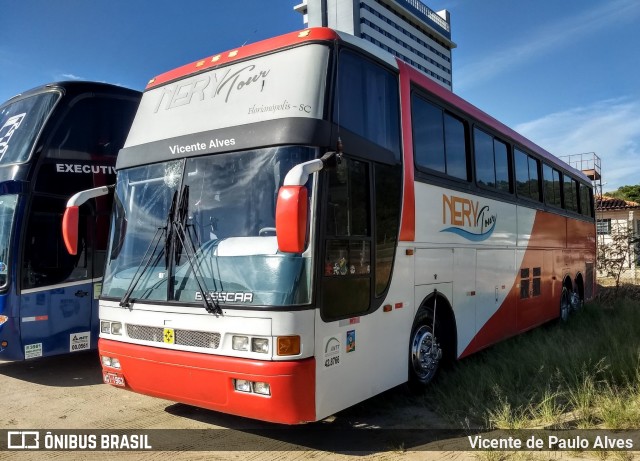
(20, 124)
(206, 222)
(7, 212)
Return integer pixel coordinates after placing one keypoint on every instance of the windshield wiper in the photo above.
(124, 302)
(185, 241)
(166, 231)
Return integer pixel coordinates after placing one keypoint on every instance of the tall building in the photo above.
(405, 28)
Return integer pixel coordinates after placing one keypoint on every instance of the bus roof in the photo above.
(75, 87)
(325, 34)
(243, 52)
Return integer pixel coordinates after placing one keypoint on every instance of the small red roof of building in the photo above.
(612, 203)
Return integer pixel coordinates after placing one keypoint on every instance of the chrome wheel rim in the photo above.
(425, 354)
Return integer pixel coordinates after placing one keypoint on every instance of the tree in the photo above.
(615, 254)
(631, 193)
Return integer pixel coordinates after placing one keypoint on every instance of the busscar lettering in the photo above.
(226, 297)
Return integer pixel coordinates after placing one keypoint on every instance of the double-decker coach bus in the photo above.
(55, 140)
(305, 222)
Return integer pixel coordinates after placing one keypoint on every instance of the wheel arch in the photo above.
(436, 302)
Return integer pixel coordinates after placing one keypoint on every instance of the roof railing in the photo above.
(428, 12)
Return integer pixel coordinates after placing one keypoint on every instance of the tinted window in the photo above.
(388, 181)
(428, 135)
(502, 165)
(368, 101)
(552, 186)
(585, 200)
(439, 140)
(45, 258)
(20, 124)
(526, 175)
(492, 162)
(82, 151)
(534, 180)
(346, 285)
(485, 163)
(455, 147)
(570, 193)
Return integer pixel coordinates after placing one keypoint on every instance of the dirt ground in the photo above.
(67, 393)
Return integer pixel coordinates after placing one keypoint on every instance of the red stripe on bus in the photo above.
(206, 381)
(408, 220)
(557, 253)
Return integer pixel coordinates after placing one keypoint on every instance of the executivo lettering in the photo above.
(84, 169)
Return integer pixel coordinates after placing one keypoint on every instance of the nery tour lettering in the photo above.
(182, 94)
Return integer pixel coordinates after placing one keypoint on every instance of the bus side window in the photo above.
(347, 262)
(45, 258)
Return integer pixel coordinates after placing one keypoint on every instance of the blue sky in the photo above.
(564, 73)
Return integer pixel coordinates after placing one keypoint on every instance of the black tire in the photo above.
(425, 352)
(577, 302)
(565, 305)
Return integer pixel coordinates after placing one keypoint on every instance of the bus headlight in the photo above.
(242, 385)
(260, 345)
(240, 343)
(110, 361)
(110, 328)
(116, 328)
(262, 388)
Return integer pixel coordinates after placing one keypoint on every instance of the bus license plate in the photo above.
(114, 378)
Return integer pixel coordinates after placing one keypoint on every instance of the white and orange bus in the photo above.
(305, 222)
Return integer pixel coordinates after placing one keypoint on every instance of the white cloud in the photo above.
(71, 77)
(610, 129)
(545, 38)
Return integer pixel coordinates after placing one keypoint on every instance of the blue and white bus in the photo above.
(55, 140)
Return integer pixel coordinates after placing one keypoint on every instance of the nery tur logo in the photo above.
(467, 218)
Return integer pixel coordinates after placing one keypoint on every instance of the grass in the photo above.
(582, 374)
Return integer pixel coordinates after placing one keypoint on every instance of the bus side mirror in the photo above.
(71, 215)
(70, 229)
(292, 218)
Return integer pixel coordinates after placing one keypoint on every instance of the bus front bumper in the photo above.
(207, 381)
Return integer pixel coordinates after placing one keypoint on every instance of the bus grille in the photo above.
(202, 339)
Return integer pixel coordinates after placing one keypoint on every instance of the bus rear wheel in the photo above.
(565, 304)
(577, 303)
(425, 353)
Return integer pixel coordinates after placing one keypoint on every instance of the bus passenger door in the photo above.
(355, 343)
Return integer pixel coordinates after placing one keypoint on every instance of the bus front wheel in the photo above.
(425, 352)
